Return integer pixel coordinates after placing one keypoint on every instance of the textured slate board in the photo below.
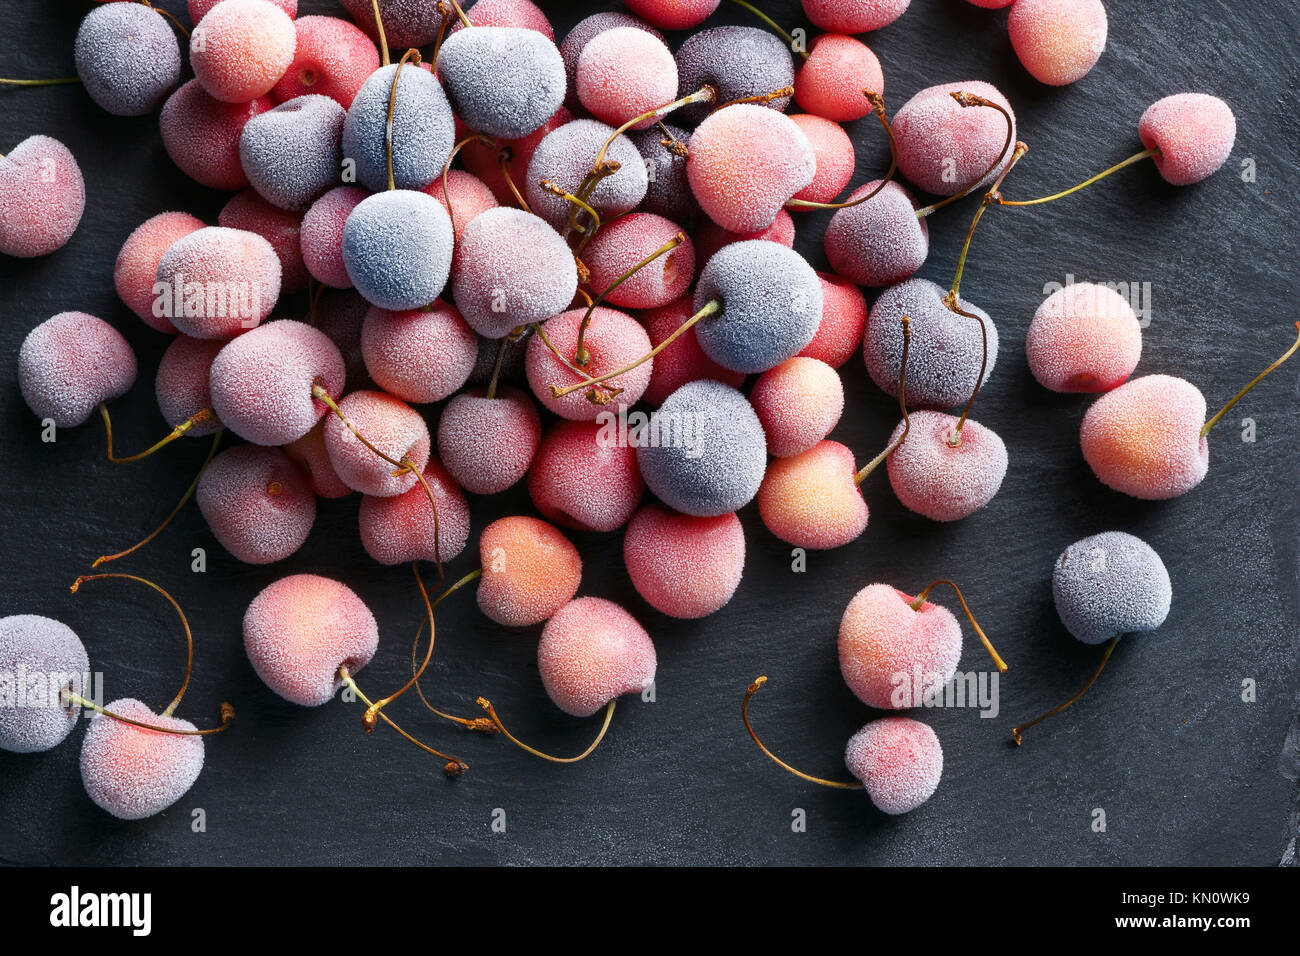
(1185, 771)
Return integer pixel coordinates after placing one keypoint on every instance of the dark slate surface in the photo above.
(1185, 771)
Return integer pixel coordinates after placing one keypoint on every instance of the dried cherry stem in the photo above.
(744, 715)
(200, 417)
(671, 142)
(878, 109)
(454, 767)
(58, 81)
(410, 56)
(492, 715)
(970, 99)
(1135, 158)
(790, 41)
(175, 22)
(1205, 429)
(1018, 732)
(875, 463)
(988, 645)
(379, 26)
(227, 711)
(709, 309)
(480, 724)
(580, 354)
(189, 493)
(403, 466)
(368, 718)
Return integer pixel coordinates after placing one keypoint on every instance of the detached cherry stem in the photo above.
(454, 767)
(368, 718)
(1135, 158)
(1205, 429)
(189, 493)
(200, 417)
(57, 81)
(988, 645)
(872, 465)
(790, 41)
(580, 353)
(970, 99)
(878, 109)
(821, 781)
(492, 716)
(227, 711)
(709, 309)
(1017, 733)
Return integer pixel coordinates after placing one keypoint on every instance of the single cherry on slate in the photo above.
(1149, 437)
(897, 760)
(592, 652)
(1105, 586)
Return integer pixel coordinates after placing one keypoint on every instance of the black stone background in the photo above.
(1185, 771)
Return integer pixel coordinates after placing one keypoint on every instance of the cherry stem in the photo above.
(1018, 732)
(460, 13)
(227, 711)
(550, 346)
(1135, 158)
(990, 197)
(175, 22)
(198, 418)
(444, 12)
(410, 56)
(580, 354)
(988, 645)
(796, 47)
(189, 493)
(575, 204)
(744, 715)
(455, 765)
(227, 717)
(872, 465)
(496, 368)
(403, 466)
(492, 715)
(446, 170)
(368, 718)
(379, 26)
(705, 94)
(709, 309)
(878, 108)
(970, 99)
(59, 81)
(480, 724)
(504, 155)
(1205, 429)
(954, 440)
(759, 99)
(671, 142)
